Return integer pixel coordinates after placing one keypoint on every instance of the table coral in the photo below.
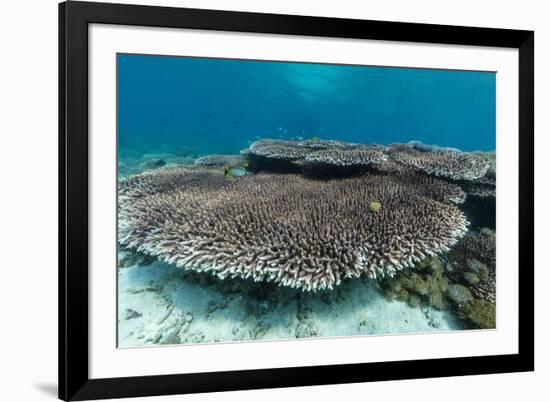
(285, 228)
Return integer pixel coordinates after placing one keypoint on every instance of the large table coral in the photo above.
(347, 157)
(444, 163)
(286, 228)
(220, 160)
(470, 168)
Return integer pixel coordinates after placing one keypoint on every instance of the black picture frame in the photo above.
(74, 381)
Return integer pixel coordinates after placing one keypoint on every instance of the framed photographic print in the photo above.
(256, 200)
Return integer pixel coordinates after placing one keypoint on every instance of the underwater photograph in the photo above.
(276, 200)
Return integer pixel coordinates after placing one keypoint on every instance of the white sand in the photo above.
(161, 304)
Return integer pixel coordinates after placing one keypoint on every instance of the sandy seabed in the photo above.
(161, 304)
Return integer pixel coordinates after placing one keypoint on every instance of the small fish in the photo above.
(375, 206)
(233, 172)
(234, 122)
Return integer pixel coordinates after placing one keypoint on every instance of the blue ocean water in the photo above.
(221, 105)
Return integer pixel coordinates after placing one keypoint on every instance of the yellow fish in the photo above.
(232, 173)
(375, 206)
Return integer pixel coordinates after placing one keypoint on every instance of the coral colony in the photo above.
(382, 212)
